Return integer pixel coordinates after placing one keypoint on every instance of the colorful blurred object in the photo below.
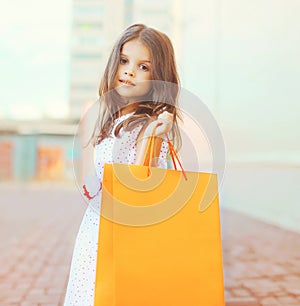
(6, 160)
(25, 156)
(41, 151)
(50, 163)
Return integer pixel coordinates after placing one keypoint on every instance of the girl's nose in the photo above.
(129, 73)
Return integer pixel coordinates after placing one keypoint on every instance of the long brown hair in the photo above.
(164, 90)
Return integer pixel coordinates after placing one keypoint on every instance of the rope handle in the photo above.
(150, 152)
(175, 156)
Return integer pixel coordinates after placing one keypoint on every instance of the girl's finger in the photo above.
(166, 116)
(162, 128)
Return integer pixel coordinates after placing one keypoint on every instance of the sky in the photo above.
(34, 58)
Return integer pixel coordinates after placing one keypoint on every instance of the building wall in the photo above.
(38, 157)
(242, 59)
(94, 22)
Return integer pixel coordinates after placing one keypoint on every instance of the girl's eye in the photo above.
(144, 67)
(123, 60)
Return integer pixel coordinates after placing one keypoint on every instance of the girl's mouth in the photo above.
(127, 82)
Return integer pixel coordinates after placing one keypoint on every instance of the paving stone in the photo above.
(242, 302)
(241, 292)
(270, 301)
(288, 300)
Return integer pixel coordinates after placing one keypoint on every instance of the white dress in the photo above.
(80, 289)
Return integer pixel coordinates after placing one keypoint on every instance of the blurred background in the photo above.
(241, 58)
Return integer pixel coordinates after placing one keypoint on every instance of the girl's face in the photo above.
(134, 71)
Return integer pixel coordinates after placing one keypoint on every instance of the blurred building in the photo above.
(92, 26)
(39, 150)
(96, 25)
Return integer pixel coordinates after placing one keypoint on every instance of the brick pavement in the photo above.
(38, 225)
(35, 259)
(261, 262)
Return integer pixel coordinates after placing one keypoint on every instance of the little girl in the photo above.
(138, 98)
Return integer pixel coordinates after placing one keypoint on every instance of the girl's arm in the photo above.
(158, 128)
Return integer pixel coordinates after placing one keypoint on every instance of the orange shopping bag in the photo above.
(159, 240)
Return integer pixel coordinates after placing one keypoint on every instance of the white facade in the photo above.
(93, 25)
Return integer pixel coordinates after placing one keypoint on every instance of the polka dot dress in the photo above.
(80, 289)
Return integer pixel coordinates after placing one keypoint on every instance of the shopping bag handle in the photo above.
(150, 152)
(175, 156)
(148, 157)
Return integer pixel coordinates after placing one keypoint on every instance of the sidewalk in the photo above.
(261, 262)
(37, 230)
(38, 226)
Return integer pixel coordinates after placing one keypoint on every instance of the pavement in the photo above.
(39, 223)
(261, 262)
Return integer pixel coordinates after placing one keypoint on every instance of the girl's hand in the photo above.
(91, 186)
(163, 125)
